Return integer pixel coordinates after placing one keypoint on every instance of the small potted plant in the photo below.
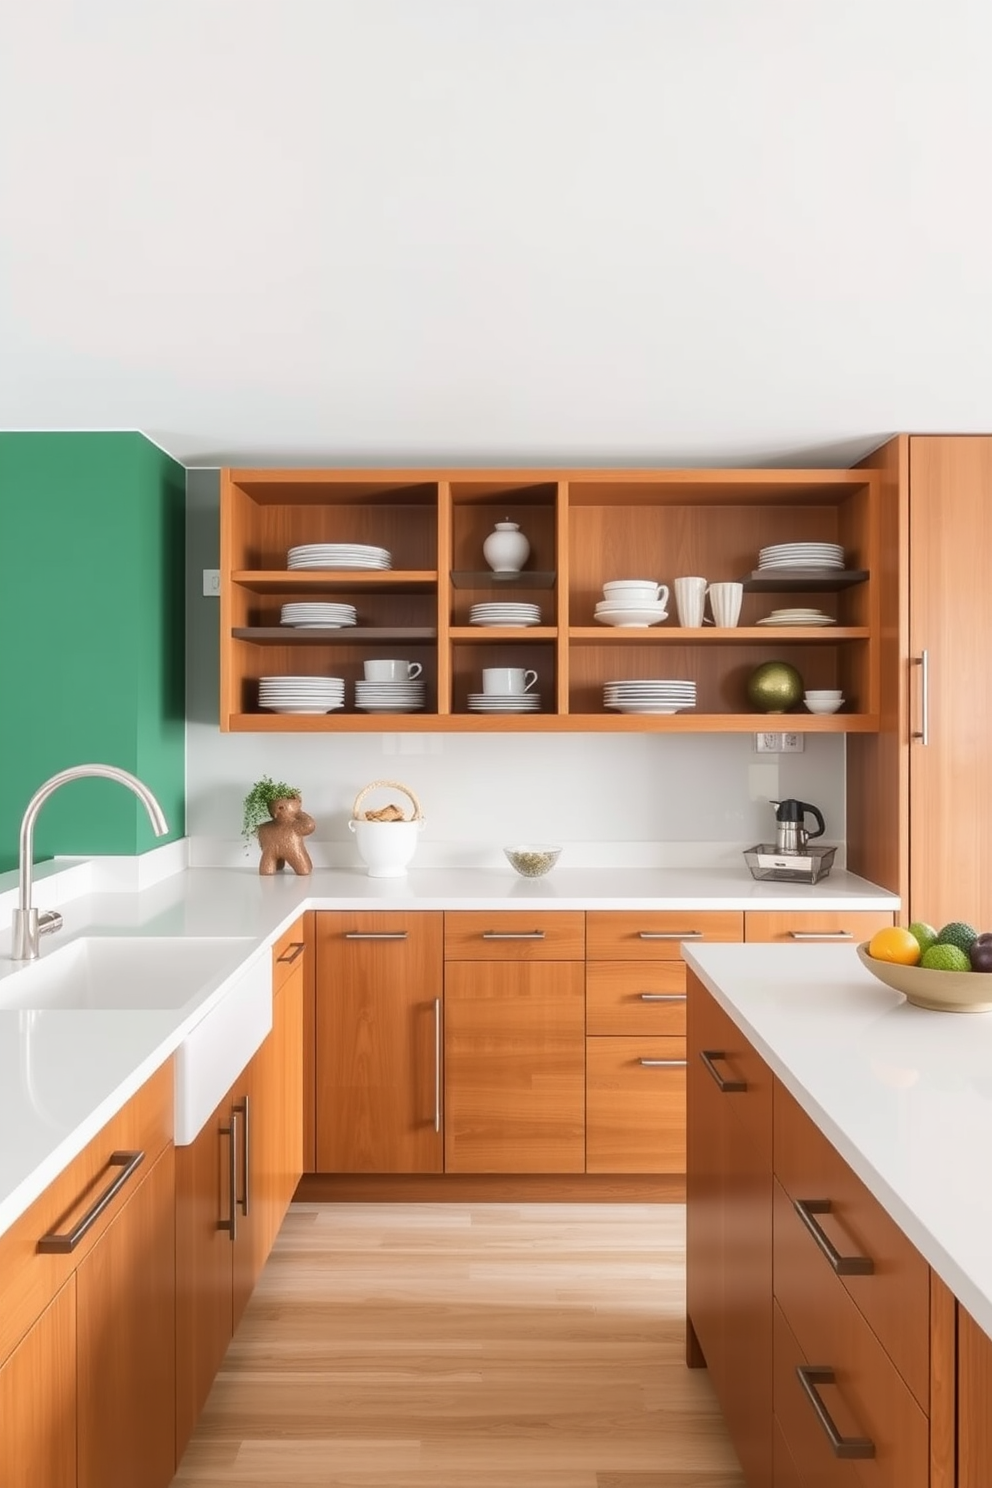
(273, 812)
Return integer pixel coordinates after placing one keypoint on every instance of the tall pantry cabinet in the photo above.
(920, 791)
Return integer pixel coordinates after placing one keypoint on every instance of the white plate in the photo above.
(632, 619)
(318, 624)
(389, 707)
(505, 624)
(802, 563)
(645, 708)
(810, 620)
(298, 708)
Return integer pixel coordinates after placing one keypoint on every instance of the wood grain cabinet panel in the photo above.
(514, 935)
(38, 1401)
(636, 997)
(974, 1403)
(800, 927)
(514, 1057)
(656, 935)
(635, 1105)
(380, 989)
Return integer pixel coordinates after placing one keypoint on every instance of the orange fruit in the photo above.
(895, 944)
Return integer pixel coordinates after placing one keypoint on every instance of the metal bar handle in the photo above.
(671, 934)
(291, 953)
(855, 1265)
(923, 662)
(663, 1063)
(811, 1375)
(662, 996)
(242, 1109)
(437, 1064)
(375, 934)
(230, 1224)
(513, 934)
(821, 934)
(727, 1087)
(55, 1244)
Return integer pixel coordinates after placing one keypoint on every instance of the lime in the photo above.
(941, 957)
(924, 934)
(957, 933)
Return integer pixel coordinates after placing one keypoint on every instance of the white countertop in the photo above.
(63, 1074)
(905, 1095)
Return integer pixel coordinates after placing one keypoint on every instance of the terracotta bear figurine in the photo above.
(281, 839)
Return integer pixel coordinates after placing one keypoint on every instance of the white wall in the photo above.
(694, 797)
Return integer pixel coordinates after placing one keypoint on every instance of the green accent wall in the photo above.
(92, 530)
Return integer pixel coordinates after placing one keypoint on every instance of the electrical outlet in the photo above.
(793, 743)
(211, 582)
(776, 743)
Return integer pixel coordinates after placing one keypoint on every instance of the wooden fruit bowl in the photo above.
(940, 991)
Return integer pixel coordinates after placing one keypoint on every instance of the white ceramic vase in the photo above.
(506, 550)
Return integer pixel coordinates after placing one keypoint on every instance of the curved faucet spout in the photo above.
(29, 926)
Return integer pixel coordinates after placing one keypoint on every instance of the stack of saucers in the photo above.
(504, 702)
(798, 616)
(650, 695)
(301, 694)
(389, 697)
(318, 615)
(338, 555)
(505, 614)
(802, 555)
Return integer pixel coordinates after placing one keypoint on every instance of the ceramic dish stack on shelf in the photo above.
(801, 555)
(632, 603)
(650, 695)
(301, 694)
(390, 697)
(505, 614)
(798, 616)
(318, 616)
(504, 702)
(338, 555)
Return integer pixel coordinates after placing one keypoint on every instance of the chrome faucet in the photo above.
(28, 925)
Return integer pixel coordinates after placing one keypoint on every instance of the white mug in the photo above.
(725, 602)
(507, 680)
(690, 598)
(392, 671)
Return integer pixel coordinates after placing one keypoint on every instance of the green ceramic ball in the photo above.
(775, 686)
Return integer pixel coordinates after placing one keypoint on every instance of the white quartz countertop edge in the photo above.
(904, 1094)
(92, 1061)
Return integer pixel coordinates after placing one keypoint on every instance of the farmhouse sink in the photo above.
(109, 971)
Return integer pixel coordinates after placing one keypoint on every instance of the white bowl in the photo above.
(824, 694)
(614, 586)
(532, 861)
(824, 705)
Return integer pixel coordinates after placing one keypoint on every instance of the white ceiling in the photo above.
(481, 231)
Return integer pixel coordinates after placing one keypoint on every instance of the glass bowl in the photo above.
(532, 861)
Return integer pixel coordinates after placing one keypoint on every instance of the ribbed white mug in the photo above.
(725, 602)
(690, 599)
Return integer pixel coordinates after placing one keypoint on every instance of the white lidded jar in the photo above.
(506, 549)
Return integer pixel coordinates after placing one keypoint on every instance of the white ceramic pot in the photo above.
(506, 550)
(386, 847)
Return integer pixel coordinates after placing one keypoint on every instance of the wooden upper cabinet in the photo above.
(378, 1059)
(584, 527)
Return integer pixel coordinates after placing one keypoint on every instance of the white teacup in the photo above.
(507, 680)
(725, 602)
(392, 671)
(690, 598)
(635, 592)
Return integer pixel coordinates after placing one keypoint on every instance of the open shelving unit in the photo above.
(585, 527)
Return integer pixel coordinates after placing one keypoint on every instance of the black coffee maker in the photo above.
(791, 835)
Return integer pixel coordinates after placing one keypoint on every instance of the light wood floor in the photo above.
(465, 1346)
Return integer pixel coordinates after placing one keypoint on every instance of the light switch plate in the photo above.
(211, 582)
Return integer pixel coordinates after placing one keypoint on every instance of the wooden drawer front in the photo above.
(895, 1297)
(798, 927)
(288, 954)
(345, 932)
(785, 1473)
(635, 1111)
(656, 935)
(514, 935)
(30, 1279)
(867, 1400)
(636, 997)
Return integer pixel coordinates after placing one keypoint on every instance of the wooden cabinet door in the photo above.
(729, 1223)
(950, 775)
(125, 1339)
(635, 1105)
(514, 1056)
(974, 1404)
(38, 1401)
(204, 1257)
(378, 1045)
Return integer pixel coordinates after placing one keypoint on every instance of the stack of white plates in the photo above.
(389, 697)
(650, 695)
(798, 616)
(504, 702)
(505, 614)
(338, 555)
(318, 615)
(301, 694)
(802, 555)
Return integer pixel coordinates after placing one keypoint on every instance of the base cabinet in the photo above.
(38, 1401)
(974, 1403)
